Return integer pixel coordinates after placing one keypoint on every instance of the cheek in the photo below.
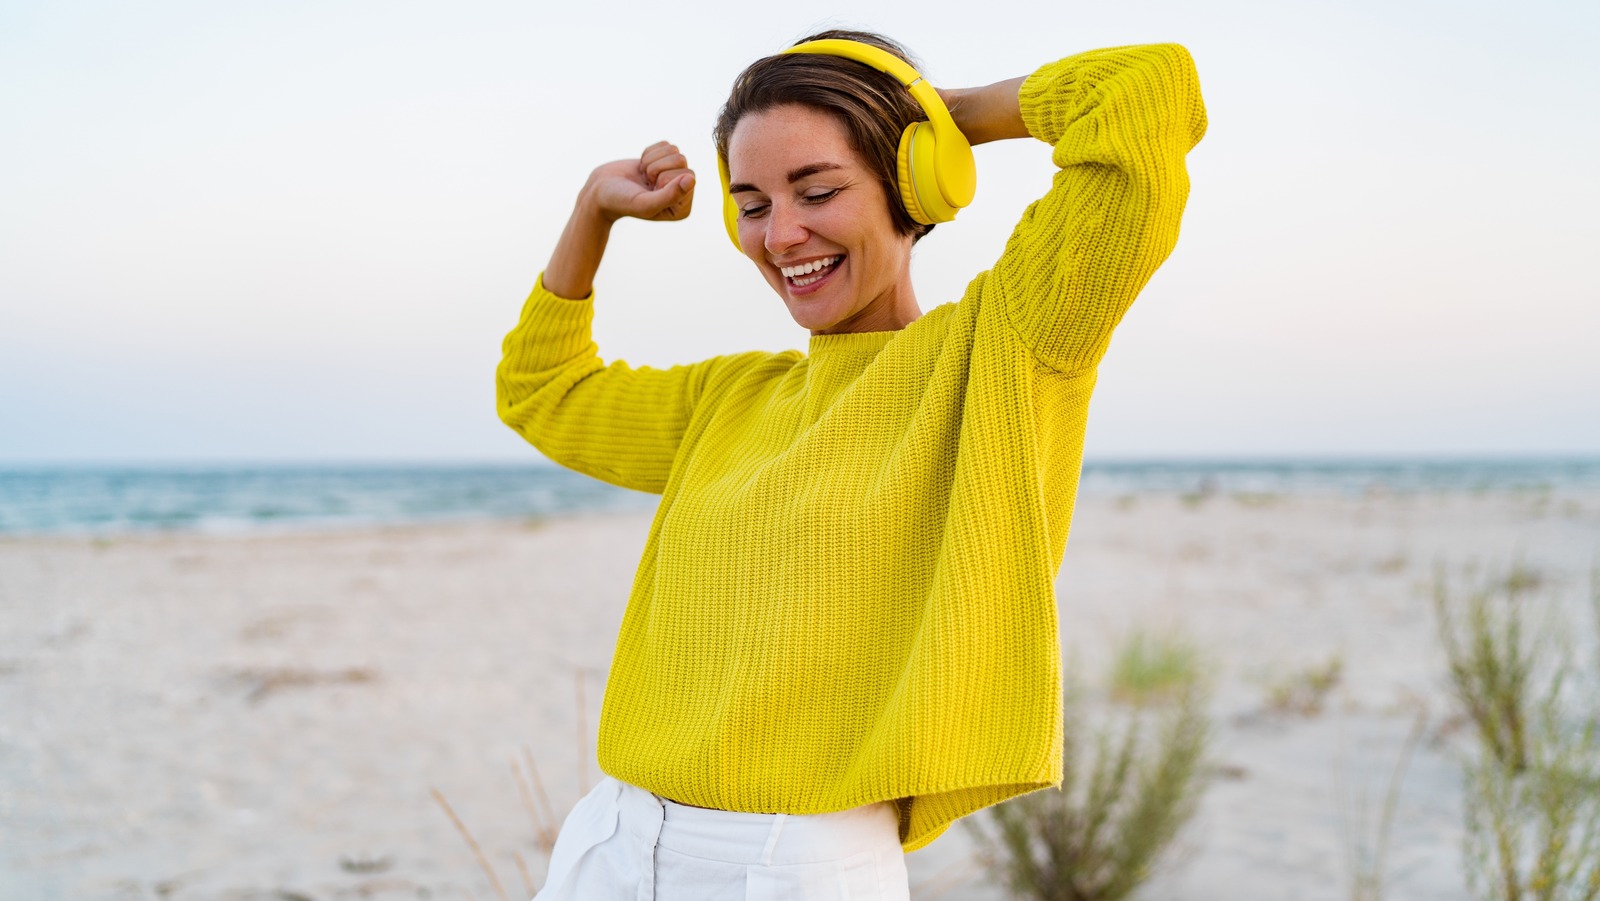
(749, 239)
(752, 241)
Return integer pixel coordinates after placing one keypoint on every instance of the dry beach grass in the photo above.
(193, 717)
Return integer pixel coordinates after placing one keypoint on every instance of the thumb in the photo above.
(654, 203)
(677, 187)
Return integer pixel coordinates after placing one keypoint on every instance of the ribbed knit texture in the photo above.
(847, 593)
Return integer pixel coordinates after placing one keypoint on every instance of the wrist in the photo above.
(989, 113)
(955, 100)
(577, 256)
(589, 211)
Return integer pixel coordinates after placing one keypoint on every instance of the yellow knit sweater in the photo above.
(847, 594)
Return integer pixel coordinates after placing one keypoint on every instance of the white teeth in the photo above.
(808, 268)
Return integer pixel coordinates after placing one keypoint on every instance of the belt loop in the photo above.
(772, 839)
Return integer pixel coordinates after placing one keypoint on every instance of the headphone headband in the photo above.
(902, 71)
(876, 57)
(935, 167)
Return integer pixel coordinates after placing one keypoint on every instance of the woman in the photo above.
(842, 634)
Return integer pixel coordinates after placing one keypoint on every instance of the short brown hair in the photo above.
(872, 106)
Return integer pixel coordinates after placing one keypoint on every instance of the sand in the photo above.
(262, 717)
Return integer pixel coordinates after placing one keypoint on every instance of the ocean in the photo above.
(83, 499)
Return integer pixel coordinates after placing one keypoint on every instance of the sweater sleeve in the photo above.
(1121, 121)
(615, 422)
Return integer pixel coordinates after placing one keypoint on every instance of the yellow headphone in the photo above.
(935, 169)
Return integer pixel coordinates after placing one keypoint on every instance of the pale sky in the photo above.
(298, 231)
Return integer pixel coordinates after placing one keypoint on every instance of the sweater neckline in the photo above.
(851, 342)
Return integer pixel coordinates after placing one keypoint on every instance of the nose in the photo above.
(785, 228)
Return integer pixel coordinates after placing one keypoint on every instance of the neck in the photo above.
(890, 311)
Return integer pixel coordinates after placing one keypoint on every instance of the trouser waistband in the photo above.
(768, 839)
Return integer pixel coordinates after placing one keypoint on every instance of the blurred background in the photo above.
(298, 231)
(256, 261)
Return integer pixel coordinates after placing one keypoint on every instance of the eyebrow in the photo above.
(794, 176)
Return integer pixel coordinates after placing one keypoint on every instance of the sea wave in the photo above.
(96, 500)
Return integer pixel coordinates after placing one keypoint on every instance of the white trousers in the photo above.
(622, 843)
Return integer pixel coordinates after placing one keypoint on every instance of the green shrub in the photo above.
(1151, 668)
(1532, 794)
(1304, 691)
(1535, 833)
(1491, 658)
(1129, 786)
(1366, 839)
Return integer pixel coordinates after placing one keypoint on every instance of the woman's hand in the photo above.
(989, 113)
(658, 186)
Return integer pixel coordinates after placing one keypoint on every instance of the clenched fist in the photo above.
(658, 185)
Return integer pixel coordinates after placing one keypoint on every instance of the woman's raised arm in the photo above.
(658, 186)
(1121, 121)
(616, 422)
(989, 113)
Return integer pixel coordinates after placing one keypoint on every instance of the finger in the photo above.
(660, 179)
(670, 168)
(660, 171)
(670, 201)
(655, 152)
(685, 202)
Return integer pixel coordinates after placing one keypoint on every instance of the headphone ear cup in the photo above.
(730, 210)
(904, 174)
(730, 220)
(918, 172)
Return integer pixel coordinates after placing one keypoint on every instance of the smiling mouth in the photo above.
(810, 273)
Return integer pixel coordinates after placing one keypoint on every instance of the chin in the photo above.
(813, 325)
(815, 320)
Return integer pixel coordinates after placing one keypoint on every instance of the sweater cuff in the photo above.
(1050, 82)
(539, 288)
(552, 327)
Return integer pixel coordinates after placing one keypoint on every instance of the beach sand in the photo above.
(262, 717)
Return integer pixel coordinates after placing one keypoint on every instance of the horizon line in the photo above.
(537, 462)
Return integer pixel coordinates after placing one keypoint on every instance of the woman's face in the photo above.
(815, 220)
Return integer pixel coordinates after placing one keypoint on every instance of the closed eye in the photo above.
(757, 210)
